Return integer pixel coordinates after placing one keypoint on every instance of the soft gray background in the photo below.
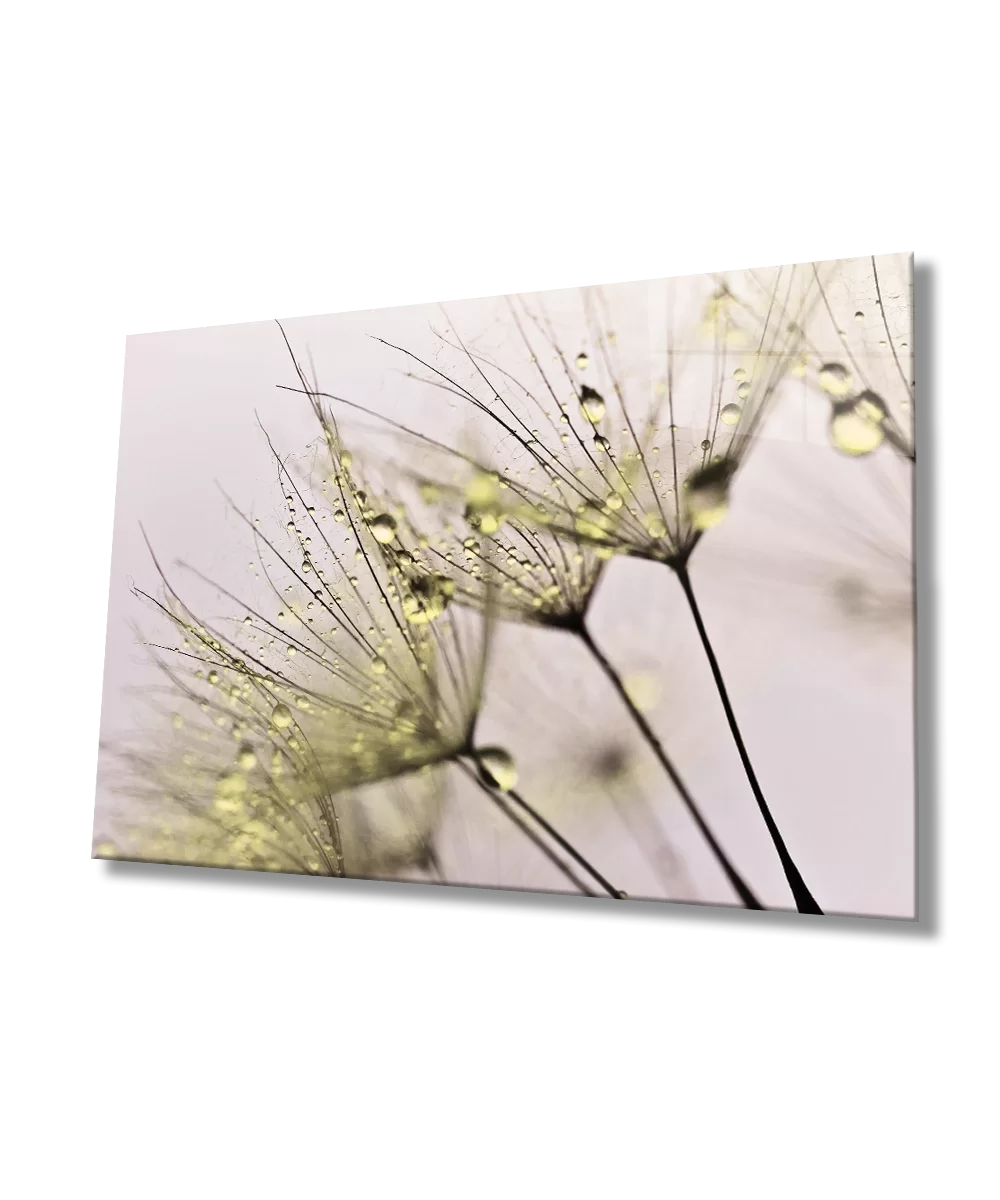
(824, 693)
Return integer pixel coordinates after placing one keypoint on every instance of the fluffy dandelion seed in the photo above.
(877, 348)
(565, 502)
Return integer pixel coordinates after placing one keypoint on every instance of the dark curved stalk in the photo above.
(804, 900)
(734, 877)
(502, 799)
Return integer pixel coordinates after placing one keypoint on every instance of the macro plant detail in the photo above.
(490, 468)
(598, 499)
(389, 688)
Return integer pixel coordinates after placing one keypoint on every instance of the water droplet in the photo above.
(383, 528)
(213, 677)
(743, 391)
(582, 361)
(706, 444)
(707, 494)
(246, 758)
(730, 414)
(857, 426)
(656, 526)
(859, 316)
(614, 501)
(486, 522)
(379, 666)
(497, 768)
(346, 459)
(427, 598)
(281, 716)
(591, 404)
(739, 374)
(602, 443)
(835, 379)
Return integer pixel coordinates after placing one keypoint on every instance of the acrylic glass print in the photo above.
(606, 591)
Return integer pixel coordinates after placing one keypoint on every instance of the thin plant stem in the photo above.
(501, 800)
(734, 877)
(804, 900)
